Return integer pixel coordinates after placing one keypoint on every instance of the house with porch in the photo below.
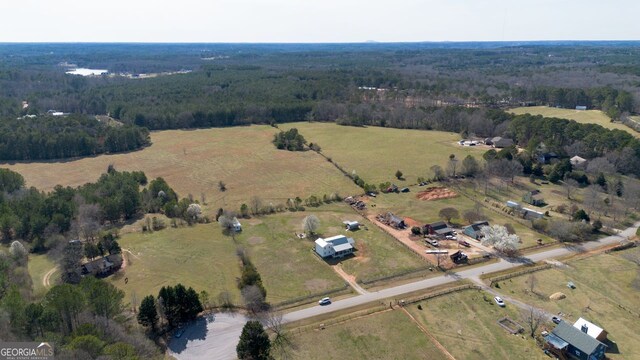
(569, 342)
(335, 247)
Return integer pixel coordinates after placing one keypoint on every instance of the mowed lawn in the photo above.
(581, 116)
(466, 324)
(39, 265)
(194, 161)
(607, 293)
(387, 335)
(376, 153)
(198, 256)
(289, 266)
(408, 205)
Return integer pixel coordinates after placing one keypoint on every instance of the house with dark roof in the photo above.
(533, 198)
(335, 247)
(439, 228)
(500, 142)
(548, 158)
(473, 230)
(569, 342)
(102, 266)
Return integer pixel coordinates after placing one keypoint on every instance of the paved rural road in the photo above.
(214, 343)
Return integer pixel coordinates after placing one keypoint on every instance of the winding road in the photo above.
(208, 344)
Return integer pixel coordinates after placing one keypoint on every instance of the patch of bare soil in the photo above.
(436, 193)
(255, 240)
(316, 285)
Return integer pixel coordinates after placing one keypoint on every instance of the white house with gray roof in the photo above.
(335, 247)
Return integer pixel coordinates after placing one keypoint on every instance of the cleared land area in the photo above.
(375, 153)
(424, 212)
(466, 324)
(289, 266)
(194, 161)
(198, 256)
(607, 292)
(581, 116)
(387, 335)
(39, 266)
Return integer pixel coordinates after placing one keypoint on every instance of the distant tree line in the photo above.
(52, 137)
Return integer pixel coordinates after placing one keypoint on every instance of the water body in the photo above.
(87, 72)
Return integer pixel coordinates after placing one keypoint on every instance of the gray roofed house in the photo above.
(575, 344)
(473, 230)
(335, 246)
(500, 142)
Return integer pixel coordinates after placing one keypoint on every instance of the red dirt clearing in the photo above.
(436, 193)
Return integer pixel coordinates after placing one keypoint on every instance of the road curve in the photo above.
(210, 345)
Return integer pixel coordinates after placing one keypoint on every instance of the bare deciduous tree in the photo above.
(533, 318)
(570, 185)
(255, 204)
(310, 224)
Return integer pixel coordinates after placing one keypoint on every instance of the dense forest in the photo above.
(51, 137)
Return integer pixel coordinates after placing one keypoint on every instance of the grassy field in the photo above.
(466, 325)
(375, 153)
(194, 161)
(581, 116)
(38, 266)
(290, 267)
(607, 293)
(198, 256)
(387, 335)
(407, 205)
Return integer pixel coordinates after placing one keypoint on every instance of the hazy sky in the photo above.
(316, 21)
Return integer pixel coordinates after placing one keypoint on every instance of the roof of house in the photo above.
(592, 330)
(440, 227)
(576, 338)
(338, 242)
(477, 225)
(577, 160)
(556, 341)
(535, 194)
(350, 222)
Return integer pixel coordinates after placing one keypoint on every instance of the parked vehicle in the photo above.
(450, 237)
(499, 301)
(433, 242)
(324, 301)
(556, 320)
(464, 243)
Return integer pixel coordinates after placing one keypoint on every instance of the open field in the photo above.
(408, 205)
(465, 323)
(289, 266)
(39, 265)
(607, 292)
(375, 153)
(194, 161)
(387, 335)
(198, 256)
(581, 116)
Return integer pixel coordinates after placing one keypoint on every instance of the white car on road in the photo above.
(324, 301)
(499, 301)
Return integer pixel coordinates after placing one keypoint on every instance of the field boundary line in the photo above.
(431, 337)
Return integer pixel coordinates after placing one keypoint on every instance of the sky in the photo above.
(316, 20)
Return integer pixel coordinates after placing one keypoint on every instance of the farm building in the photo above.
(351, 225)
(102, 266)
(548, 157)
(513, 205)
(591, 329)
(533, 198)
(500, 142)
(391, 220)
(577, 162)
(473, 230)
(530, 214)
(566, 341)
(439, 228)
(581, 107)
(335, 247)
